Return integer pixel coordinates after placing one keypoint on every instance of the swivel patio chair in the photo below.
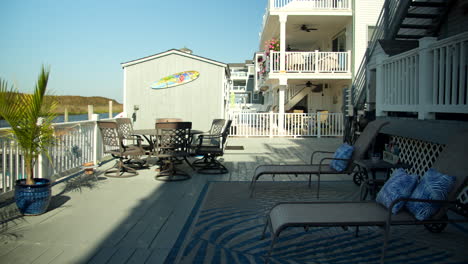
(211, 146)
(172, 142)
(361, 147)
(126, 155)
(125, 127)
(451, 161)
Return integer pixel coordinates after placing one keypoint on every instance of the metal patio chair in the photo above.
(126, 155)
(211, 146)
(125, 127)
(172, 143)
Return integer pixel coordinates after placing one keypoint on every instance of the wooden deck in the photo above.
(133, 220)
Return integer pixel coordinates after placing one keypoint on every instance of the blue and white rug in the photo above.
(226, 226)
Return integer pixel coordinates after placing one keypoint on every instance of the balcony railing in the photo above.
(426, 80)
(312, 62)
(311, 4)
(295, 124)
(239, 74)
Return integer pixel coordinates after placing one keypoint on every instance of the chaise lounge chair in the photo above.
(452, 161)
(361, 146)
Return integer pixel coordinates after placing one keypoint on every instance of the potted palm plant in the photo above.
(30, 117)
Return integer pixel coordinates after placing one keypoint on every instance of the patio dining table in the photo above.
(150, 133)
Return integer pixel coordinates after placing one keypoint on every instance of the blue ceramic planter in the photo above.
(33, 199)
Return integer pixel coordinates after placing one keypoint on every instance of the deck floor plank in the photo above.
(25, 253)
(49, 255)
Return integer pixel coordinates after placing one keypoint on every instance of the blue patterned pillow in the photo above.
(345, 151)
(400, 185)
(433, 186)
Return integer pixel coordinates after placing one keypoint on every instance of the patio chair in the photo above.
(451, 161)
(113, 142)
(212, 146)
(125, 127)
(361, 146)
(172, 143)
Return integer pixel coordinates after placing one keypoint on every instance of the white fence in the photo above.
(77, 143)
(313, 4)
(266, 125)
(430, 79)
(312, 62)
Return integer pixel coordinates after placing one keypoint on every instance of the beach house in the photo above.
(308, 53)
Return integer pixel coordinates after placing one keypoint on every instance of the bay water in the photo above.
(71, 118)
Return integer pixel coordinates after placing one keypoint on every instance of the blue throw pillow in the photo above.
(400, 185)
(433, 186)
(345, 151)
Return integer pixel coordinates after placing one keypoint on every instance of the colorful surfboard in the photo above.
(176, 79)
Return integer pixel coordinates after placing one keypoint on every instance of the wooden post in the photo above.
(110, 109)
(65, 115)
(90, 112)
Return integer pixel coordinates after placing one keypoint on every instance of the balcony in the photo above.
(301, 65)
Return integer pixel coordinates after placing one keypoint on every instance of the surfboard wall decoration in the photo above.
(176, 79)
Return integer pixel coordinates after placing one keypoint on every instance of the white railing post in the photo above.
(425, 79)
(316, 61)
(96, 139)
(283, 19)
(271, 124)
(348, 60)
(271, 60)
(319, 125)
(380, 85)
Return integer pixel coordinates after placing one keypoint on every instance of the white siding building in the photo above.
(199, 101)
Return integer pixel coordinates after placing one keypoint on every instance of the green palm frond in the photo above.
(30, 117)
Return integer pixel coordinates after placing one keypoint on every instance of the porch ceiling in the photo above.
(327, 26)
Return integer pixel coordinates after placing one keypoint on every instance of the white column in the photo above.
(379, 85)
(281, 101)
(425, 78)
(283, 18)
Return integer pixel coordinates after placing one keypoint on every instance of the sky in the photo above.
(84, 42)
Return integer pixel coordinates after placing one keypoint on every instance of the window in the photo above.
(370, 32)
(339, 42)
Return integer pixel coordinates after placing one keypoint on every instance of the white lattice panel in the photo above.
(420, 154)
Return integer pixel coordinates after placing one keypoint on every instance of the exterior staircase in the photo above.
(401, 23)
(295, 96)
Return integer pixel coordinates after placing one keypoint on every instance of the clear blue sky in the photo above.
(84, 41)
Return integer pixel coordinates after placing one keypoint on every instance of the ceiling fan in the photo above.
(306, 28)
(317, 88)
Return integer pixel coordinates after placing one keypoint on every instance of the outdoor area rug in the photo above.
(226, 226)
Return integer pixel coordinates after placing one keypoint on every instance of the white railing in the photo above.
(450, 73)
(400, 79)
(312, 62)
(239, 87)
(77, 142)
(311, 4)
(426, 80)
(266, 124)
(239, 74)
